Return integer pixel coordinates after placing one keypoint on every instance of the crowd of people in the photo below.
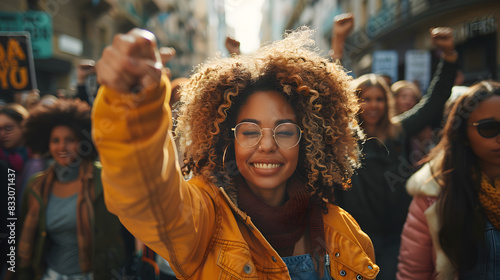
(277, 164)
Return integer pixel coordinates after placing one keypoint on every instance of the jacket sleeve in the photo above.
(416, 252)
(141, 178)
(429, 111)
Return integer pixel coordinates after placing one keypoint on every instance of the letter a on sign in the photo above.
(17, 70)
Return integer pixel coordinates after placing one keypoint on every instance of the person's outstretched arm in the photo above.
(342, 27)
(142, 181)
(429, 111)
(83, 70)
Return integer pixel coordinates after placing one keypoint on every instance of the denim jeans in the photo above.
(302, 267)
(51, 274)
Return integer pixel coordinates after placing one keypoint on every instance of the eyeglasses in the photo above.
(286, 135)
(8, 129)
(487, 128)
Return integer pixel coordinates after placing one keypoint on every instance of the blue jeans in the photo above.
(51, 274)
(302, 267)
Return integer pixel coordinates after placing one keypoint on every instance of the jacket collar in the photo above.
(423, 182)
(240, 214)
(364, 265)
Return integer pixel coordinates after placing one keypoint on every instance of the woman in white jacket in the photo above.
(453, 226)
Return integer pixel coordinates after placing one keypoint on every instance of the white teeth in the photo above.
(266, 165)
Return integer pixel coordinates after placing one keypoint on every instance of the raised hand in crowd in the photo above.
(131, 63)
(442, 38)
(84, 69)
(342, 27)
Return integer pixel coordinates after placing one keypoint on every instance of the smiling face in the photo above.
(486, 149)
(63, 145)
(266, 167)
(373, 105)
(405, 100)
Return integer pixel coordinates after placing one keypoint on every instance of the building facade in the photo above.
(401, 26)
(80, 29)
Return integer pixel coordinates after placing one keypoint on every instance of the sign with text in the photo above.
(37, 23)
(475, 27)
(418, 68)
(17, 70)
(386, 63)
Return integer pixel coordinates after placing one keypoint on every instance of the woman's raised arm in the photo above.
(142, 181)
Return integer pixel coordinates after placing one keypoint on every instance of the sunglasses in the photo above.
(487, 128)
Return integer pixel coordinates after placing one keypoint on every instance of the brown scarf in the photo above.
(283, 226)
(489, 196)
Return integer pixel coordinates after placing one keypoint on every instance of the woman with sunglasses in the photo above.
(453, 225)
(268, 136)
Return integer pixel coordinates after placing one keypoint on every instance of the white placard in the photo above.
(70, 44)
(418, 68)
(386, 63)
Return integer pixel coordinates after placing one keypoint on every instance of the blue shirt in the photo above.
(62, 233)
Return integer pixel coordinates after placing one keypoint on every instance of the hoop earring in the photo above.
(224, 157)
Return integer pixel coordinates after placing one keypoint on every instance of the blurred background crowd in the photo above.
(383, 43)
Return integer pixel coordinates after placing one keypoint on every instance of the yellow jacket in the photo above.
(193, 224)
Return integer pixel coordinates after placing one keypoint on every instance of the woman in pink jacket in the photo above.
(453, 226)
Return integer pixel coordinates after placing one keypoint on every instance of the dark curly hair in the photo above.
(317, 89)
(74, 114)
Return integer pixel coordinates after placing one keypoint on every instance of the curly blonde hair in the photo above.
(317, 89)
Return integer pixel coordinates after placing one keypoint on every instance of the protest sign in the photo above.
(17, 70)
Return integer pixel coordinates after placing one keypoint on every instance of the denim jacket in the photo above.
(488, 265)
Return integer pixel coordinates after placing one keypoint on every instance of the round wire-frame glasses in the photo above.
(286, 135)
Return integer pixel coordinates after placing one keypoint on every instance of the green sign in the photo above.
(37, 23)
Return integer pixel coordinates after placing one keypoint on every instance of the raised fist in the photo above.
(343, 25)
(442, 37)
(131, 63)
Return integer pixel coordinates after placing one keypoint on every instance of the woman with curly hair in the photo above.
(378, 199)
(268, 136)
(453, 225)
(66, 230)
